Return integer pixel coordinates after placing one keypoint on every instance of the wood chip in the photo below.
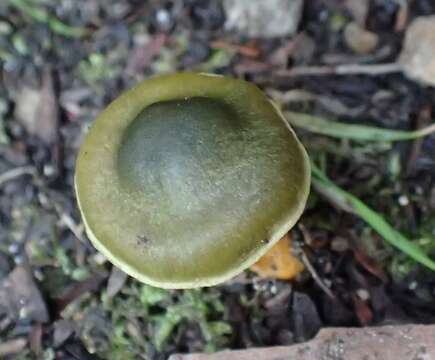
(63, 329)
(116, 281)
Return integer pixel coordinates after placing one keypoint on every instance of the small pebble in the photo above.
(100, 259)
(14, 248)
(5, 28)
(412, 285)
(363, 294)
(24, 313)
(403, 200)
(164, 20)
(19, 259)
(273, 289)
(37, 273)
(163, 17)
(48, 170)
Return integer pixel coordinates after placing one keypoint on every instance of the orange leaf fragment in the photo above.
(278, 262)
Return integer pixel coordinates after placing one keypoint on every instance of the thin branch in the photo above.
(315, 276)
(13, 346)
(17, 172)
(309, 266)
(346, 69)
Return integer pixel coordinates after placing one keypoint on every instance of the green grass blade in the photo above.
(42, 16)
(336, 129)
(349, 202)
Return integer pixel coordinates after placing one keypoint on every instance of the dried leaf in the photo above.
(20, 296)
(142, 57)
(278, 262)
(116, 281)
(80, 288)
(37, 109)
(369, 264)
(363, 311)
(47, 113)
(63, 329)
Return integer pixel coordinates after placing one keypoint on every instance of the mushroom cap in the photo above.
(187, 179)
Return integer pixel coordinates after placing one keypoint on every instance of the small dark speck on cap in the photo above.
(142, 240)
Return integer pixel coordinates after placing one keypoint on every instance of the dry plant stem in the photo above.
(315, 276)
(17, 172)
(70, 223)
(13, 346)
(308, 240)
(427, 130)
(347, 69)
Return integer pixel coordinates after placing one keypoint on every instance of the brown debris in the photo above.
(362, 310)
(402, 17)
(369, 264)
(82, 287)
(35, 339)
(244, 50)
(424, 118)
(63, 329)
(300, 49)
(143, 56)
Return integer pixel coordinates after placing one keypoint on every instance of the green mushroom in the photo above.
(186, 180)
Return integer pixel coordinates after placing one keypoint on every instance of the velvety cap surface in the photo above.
(187, 179)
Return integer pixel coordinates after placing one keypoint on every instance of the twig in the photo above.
(13, 346)
(315, 276)
(309, 266)
(424, 116)
(17, 172)
(244, 50)
(347, 69)
(71, 224)
(85, 286)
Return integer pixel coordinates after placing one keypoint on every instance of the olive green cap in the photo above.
(187, 179)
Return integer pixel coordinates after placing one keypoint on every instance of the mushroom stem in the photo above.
(345, 69)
